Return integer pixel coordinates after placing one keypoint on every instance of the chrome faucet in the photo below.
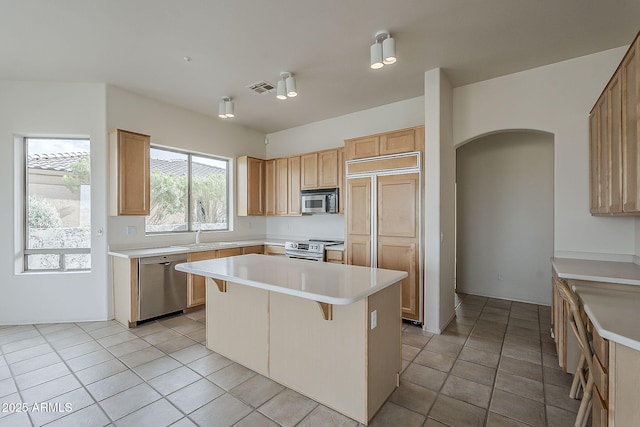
(198, 236)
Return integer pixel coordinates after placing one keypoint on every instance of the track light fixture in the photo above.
(225, 109)
(286, 86)
(383, 50)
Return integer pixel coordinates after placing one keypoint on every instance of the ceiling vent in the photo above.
(262, 87)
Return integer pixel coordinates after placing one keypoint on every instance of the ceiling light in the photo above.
(383, 50)
(225, 109)
(286, 86)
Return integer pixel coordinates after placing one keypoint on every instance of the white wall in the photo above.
(439, 170)
(179, 128)
(505, 216)
(51, 109)
(557, 99)
(331, 133)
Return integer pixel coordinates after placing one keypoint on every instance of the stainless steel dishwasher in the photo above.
(161, 288)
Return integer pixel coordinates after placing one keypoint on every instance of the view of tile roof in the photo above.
(64, 161)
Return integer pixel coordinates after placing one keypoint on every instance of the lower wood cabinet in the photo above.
(196, 295)
(274, 250)
(336, 257)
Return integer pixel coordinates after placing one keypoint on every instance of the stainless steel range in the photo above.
(312, 249)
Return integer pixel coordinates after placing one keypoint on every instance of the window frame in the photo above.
(190, 219)
(62, 252)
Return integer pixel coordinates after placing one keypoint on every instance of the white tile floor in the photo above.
(494, 366)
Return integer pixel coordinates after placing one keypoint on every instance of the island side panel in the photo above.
(238, 324)
(322, 359)
(384, 346)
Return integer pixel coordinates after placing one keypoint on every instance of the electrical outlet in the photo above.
(131, 230)
(374, 319)
(500, 277)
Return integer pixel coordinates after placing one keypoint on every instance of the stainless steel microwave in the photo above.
(324, 200)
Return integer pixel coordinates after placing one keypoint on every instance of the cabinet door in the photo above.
(359, 221)
(397, 142)
(630, 125)
(309, 171)
(398, 234)
(328, 168)
(594, 161)
(603, 147)
(341, 179)
(250, 188)
(257, 249)
(282, 187)
(223, 253)
(359, 148)
(271, 188)
(274, 250)
(294, 185)
(196, 294)
(131, 168)
(614, 144)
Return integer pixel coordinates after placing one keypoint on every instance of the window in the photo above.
(57, 214)
(188, 192)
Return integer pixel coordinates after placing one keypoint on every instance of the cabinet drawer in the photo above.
(223, 253)
(601, 348)
(599, 413)
(273, 250)
(335, 256)
(600, 377)
(258, 249)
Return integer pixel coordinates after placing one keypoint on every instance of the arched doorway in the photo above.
(504, 214)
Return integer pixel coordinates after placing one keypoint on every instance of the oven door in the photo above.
(314, 203)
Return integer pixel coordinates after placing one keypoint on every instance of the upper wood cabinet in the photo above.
(293, 168)
(319, 169)
(250, 186)
(401, 141)
(309, 171)
(129, 169)
(270, 187)
(613, 140)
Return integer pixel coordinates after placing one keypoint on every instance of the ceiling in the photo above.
(140, 46)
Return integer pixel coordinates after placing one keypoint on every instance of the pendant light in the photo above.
(383, 50)
(226, 107)
(286, 86)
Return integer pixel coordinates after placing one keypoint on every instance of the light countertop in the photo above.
(614, 313)
(323, 282)
(625, 273)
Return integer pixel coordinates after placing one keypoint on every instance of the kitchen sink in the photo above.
(210, 245)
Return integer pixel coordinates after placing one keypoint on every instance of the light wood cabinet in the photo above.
(334, 256)
(613, 140)
(257, 249)
(282, 187)
(125, 290)
(274, 250)
(196, 287)
(129, 173)
(309, 171)
(271, 190)
(396, 142)
(320, 169)
(250, 186)
(293, 167)
(358, 242)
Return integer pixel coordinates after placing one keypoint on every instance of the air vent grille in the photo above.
(262, 87)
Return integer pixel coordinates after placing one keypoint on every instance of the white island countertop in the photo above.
(329, 283)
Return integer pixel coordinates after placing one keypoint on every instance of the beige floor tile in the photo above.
(256, 390)
(105, 332)
(492, 309)
(89, 359)
(488, 334)
(114, 384)
(158, 414)
(557, 377)
(158, 337)
(433, 360)
(209, 364)
(521, 386)
(521, 368)
(28, 353)
(522, 353)
(118, 338)
(497, 318)
(156, 367)
(433, 423)
(468, 391)
(415, 340)
(16, 419)
(559, 417)
(413, 397)
(497, 420)
(34, 363)
(473, 372)
(149, 329)
(438, 345)
(79, 350)
(519, 408)
(455, 412)
(424, 376)
(76, 399)
(484, 344)
(288, 408)
(127, 347)
(392, 415)
(256, 419)
(231, 376)
(140, 357)
(47, 391)
(480, 357)
(129, 401)
(527, 324)
(487, 325)
(189, 354)
(226, 410)
(559, 397)
(409, 352)
(174, 380)
(42, 375)
(7, 386)
(90, 416)
(195, 395)
(176, 344)
(323, 416)
(23, 344)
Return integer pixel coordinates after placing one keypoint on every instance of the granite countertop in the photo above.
(318, 281)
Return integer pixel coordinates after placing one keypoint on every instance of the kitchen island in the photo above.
(329, 331)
